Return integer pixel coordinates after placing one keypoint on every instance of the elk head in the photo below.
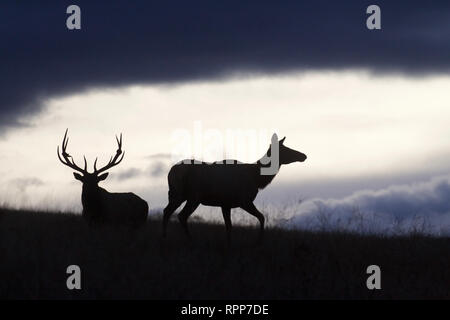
(285, 155)
(89, 180)
(288, 155)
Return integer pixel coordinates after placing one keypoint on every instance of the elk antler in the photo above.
(113, 161)
(68, 158)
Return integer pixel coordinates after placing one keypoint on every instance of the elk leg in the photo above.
(168, 211)
(250, 208)
(227, 217)
(187, 210)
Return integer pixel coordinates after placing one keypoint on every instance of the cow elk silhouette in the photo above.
(99, 205)
(227, 184)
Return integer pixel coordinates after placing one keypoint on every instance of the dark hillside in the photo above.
(37, 247)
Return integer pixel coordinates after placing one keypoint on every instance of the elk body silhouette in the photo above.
(99, 205)
(222, 184)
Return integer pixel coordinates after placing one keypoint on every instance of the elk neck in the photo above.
(264, 180)
(91, 194)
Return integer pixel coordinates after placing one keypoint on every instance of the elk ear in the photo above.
(103, 176)
(78, 176)
(282, 140)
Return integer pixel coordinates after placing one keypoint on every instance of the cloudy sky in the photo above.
(370, 108)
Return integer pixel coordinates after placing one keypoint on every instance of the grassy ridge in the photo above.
(37, 247)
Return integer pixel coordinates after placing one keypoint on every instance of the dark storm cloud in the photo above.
(137, 42)
(421, 207)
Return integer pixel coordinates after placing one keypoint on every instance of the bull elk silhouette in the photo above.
(99, 205)
(227, 184)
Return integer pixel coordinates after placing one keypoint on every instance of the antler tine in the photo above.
(64, 144)
(67, 161)
(123, 155)
(113, 161)
(57, 152)
(85, 163)
(119, 142)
